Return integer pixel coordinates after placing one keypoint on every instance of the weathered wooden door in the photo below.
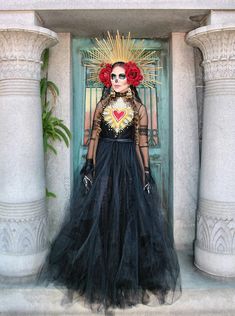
(157, 101)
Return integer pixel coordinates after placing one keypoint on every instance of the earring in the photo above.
(129, 93)
(112, 93)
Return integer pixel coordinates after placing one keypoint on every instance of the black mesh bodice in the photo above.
(101, 128)
(108, 132)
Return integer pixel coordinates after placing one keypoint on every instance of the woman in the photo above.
(114, 250)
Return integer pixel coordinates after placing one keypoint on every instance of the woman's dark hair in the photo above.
(106, 91)
(118, 63)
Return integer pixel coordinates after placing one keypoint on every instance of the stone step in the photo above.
(201, 295)
(47, 302)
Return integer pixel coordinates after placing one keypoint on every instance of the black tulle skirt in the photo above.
(114, 249)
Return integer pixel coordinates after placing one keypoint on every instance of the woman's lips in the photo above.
(116, 86)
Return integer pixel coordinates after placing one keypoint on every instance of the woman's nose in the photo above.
(116, 80)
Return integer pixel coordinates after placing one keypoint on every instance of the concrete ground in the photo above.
(201, 295)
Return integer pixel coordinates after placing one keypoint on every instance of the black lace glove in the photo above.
(87, 173)
(147, 186)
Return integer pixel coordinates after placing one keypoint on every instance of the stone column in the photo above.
(23, 216)
(215, 237)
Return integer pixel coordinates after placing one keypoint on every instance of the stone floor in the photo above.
(201, 295)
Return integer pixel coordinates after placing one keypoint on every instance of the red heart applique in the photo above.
(118, 115)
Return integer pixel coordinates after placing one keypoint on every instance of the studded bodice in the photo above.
(117, 120)
(120, 118)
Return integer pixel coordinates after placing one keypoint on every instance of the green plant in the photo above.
(53, 127)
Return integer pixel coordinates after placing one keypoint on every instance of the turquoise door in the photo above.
(156, 100)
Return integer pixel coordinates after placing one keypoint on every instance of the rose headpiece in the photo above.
(138, 61)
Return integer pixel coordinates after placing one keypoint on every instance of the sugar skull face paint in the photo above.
(119, 80)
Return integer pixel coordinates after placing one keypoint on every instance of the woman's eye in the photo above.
(122, 76)
(113, 76)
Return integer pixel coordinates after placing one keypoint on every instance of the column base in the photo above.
(216, 264)
(19, 266)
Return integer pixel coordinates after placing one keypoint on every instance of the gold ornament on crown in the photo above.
(112, 50)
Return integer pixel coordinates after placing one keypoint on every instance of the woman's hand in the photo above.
(87, 172)
(147, 185)
(87, 181)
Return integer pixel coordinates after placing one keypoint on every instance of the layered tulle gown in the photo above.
(114, 248)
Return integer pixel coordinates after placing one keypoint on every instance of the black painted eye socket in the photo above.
(120, 76)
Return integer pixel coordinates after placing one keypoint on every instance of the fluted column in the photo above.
(23, 215)
(215, 237)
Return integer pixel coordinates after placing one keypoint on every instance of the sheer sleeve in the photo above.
(143, 136)
(93, 140)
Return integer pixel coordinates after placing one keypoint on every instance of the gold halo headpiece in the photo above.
(120, 49)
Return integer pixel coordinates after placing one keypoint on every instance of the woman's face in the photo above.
(119, 80)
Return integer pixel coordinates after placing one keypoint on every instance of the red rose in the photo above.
(133, 74)
(104, 74)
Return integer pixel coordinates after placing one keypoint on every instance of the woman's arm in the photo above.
(144, 145)
(94, 131)
(88, 169)
(143, 135)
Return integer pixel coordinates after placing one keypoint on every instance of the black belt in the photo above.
(123, 140)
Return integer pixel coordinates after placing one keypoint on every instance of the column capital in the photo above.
(216, 43)
(21, 49)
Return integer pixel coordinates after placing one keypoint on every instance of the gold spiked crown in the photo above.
(138, 60)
